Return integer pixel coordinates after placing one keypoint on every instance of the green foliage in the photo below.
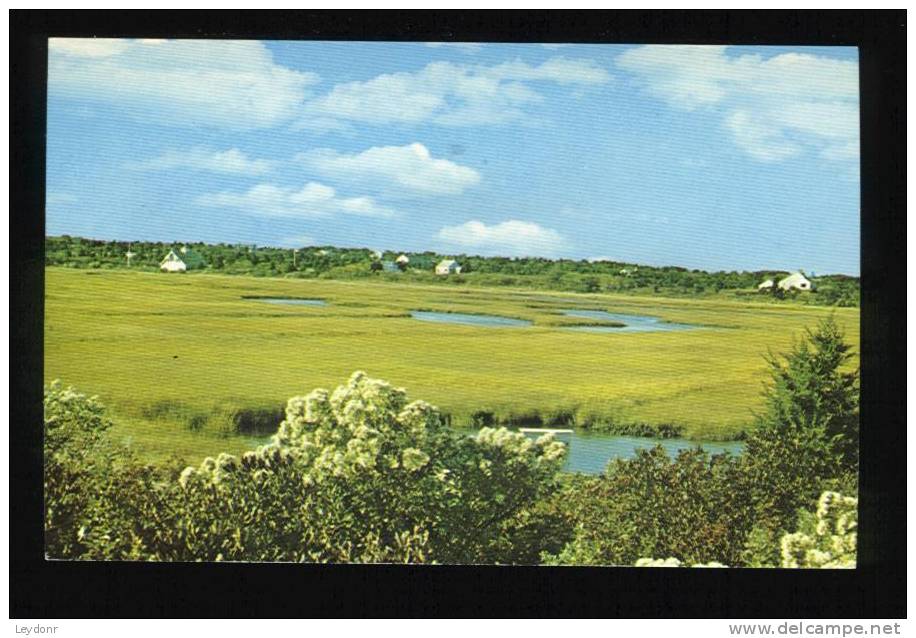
(357, 475)
(812, 392)
(808, 436)
(826, 539)
(692, 508)
(74, 430)
(99, 502)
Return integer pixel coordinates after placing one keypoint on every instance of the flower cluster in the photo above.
(69, 413)
(673, 562)
(832, 543)
(544, 450)
(366, 425)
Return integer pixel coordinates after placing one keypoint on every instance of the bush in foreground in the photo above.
(357, 475)
(698, 508)
(825, 539)
(692, 507)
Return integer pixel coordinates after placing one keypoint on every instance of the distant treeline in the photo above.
(331, 262)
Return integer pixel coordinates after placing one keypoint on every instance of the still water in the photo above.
(633, 323)
(468, 320)
(589, 452)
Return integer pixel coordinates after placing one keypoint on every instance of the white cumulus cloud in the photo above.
(509, 238)
(773, 108)
(232, 161)
(410, 168)
(452, 94)
(232, 84)
(312, 200)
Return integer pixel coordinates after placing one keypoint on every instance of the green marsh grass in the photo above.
(191, 367)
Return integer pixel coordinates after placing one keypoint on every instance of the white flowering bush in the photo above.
(362, 474)
(74, 425)
(99, 501)
(70, 415)
(826, 540)
(672, 562)
(359, 474)
(365, 426)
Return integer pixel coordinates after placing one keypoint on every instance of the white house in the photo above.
(797, 281)
(180, 261)
(767, 285)
(403, 259)
(173, 263)
(448, 267)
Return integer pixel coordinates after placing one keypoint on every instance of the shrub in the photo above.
(483, 419)
(807, 440)
(100, 503)
(232, 420)
(812, 392)
(692, 508)
(74, 430)
(827, 538)
(359, 474)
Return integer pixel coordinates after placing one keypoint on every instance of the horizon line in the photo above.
(516, 257)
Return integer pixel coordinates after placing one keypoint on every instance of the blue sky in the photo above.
(704, 157)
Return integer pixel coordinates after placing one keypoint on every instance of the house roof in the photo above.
(190, 258)
(795, 277)
(447, 262)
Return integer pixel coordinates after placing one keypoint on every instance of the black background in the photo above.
(877, 588)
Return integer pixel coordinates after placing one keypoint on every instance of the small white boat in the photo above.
(543, 431)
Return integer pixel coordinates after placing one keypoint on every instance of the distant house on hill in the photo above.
(766, 285)
(448, 267)
(181, 260)
(795, 281)
(403, 259)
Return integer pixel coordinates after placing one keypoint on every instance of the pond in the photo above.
(632, 323)
(590, 452)
(467, 319)
(287, 301)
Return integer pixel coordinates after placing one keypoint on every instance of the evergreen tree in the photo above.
(807, 440)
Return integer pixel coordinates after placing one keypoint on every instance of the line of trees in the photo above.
(362, 474)
(350, 263)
